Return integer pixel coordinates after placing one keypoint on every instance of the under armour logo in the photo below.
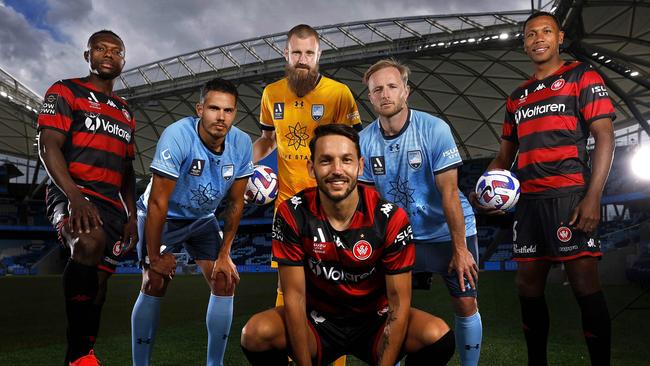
(143, 340)
(299, 104)
(469, 346)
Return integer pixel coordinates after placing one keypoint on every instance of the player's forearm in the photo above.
(262, 147)
(453, 212)
(128, 188)
(601, 163)
(232, 218)
(57, 168)
(296, 321)
(156, 216)
(394, 333)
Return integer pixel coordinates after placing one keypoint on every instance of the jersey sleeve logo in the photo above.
(278, 110)
(386, 209)
(317, 111)
(378, 165)
(196, 169)
(49, 104)
(296, 201)
(362, 250)
(227, 171)
(415, 159)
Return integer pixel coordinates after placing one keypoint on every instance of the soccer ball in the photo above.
(262, 186)
(498, 189)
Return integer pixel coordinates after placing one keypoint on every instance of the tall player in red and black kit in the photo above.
(345, 258)
(548, 120)
(86, 144)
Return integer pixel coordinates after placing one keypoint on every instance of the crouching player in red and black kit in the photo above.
(86, 144)
(345, 258)
(548, 120)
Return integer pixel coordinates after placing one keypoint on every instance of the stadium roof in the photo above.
(463, 67)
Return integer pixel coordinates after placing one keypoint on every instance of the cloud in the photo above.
(153, 30)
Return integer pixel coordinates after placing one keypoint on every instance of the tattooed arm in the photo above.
(231, 217)
(398, 289)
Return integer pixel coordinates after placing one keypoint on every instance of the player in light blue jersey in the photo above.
(198, 162)
(411, 158)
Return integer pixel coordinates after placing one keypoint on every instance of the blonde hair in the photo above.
(388, 62)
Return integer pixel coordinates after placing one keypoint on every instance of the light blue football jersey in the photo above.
(203, 177)
(403, 169)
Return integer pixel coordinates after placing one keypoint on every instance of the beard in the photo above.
(336, 196)
(300, 82)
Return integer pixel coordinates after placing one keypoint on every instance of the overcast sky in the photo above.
(42, 41)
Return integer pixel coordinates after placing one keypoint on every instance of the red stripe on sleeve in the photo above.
(64, 102)
(556, 181)
(99, 142)
(548, 123)
(598, 107)
(91, 173)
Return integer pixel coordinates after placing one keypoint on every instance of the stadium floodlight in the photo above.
(639, 162)
(3, 94)
(503, 36)
(595, 54)
(634, 73)
(471, 40)
(608, 61)
(601, 57)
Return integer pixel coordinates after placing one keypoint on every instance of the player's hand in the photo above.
(462, 262)
(165, 265)
(227, 267)
(473, 200)
(586, 215)
(84, 216)
(129, 235)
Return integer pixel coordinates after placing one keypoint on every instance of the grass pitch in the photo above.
(32, 321)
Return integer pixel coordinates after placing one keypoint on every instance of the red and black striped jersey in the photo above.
(549, 119)
(344, 270)
(99, 130)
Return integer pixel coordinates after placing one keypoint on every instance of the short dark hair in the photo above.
(542, 14)
(303, 31)
(334, 129)
(104, 31)
(220, 85)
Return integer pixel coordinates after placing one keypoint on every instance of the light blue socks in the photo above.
(469, 334)
(144, 323)
(218, 320)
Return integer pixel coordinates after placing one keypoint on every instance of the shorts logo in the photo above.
(558, 84)
(117, 248)
(317, 111)
(227, 171)
(564, 234)
(196, 169)
(362, 250)
(49, 104)
(591, 243)
(378, 165)
(415, 159)
(278, 110)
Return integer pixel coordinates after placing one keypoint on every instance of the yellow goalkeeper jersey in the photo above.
(294, 120)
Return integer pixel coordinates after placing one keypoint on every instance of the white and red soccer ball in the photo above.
(262, 186)
(498, 189)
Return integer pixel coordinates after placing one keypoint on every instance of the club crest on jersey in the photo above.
(126, 114)
(415, 159)
(558, 84)
(117, 248)
(196, 169)
(278, 110)
(317, 111)
(362, 250)
(378, 165)
(227, 171)
(564, 234)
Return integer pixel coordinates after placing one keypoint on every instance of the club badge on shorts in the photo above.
(564, 234)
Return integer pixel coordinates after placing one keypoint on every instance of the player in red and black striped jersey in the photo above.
(345, 258)
(548, 121)
(86, 144)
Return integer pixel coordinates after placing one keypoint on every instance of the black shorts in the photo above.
(541, 231)
(114, 221)
(335, 337)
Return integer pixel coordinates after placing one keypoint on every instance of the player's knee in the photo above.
(153, 284)
(434, 353)
(465, 306)
(436, 330)
(257, 334)
(88, 249)
(528, 286)
(219, 286)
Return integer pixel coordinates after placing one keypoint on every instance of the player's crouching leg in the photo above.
(429, 340)
(263, 339)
